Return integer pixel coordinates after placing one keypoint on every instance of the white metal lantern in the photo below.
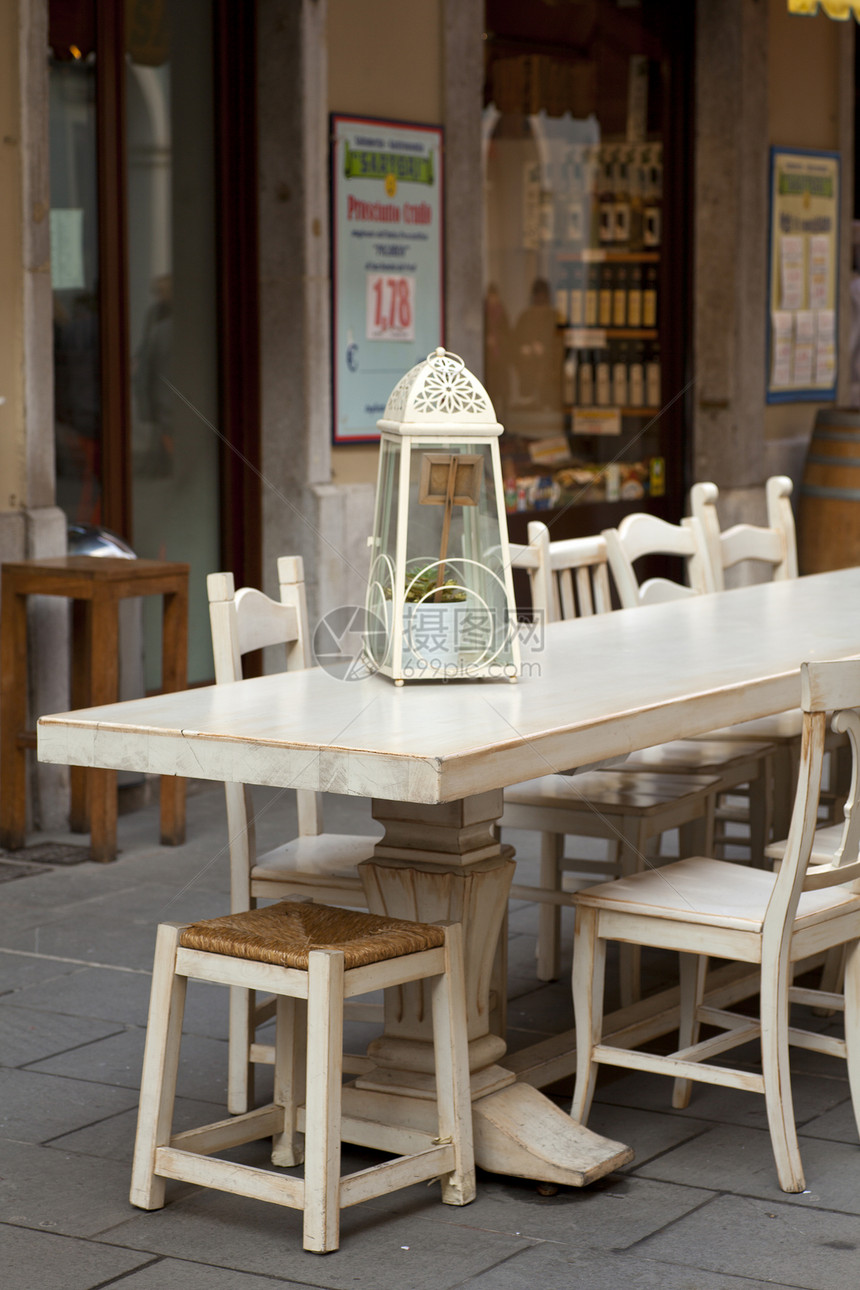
(440, 601)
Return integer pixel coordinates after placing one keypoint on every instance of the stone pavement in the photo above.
(698, 1209)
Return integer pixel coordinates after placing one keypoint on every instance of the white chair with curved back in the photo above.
(629, 810)
(702, 907)
(773, 546)
(316, 864)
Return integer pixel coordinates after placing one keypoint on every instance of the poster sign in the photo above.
(387, 265)
(804, 241)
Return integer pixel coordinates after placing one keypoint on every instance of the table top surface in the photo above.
(597, 688)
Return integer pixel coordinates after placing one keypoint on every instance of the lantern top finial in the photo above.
(439, 397)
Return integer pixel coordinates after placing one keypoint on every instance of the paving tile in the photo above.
(740, 1160)
(36, 1108)
(46, 1187)
(779, 1243)
(123, 996)
(113, 1137)
(52, 1262)
(614, 1213)
(19, 971)
(28, 1035)
(176, 1274)
(838, 1125)
(649, 1133)
(379, 1247)
(118, 1061)
(547, 1267)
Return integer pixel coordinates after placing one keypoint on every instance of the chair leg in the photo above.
(693, 969)
(589, 970)
(777, 1080)
(852, 1024)
(451, 1048)
(549, 916)
(761, 812)
(290, 1066)
(323, 1104)
(240, 1068)
(631, 859)
(160, 1067)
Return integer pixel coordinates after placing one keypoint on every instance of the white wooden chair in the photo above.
(773, 546)
(702, 907)
(312, 957)
(569, 578)
(641, 535)
(315, 864)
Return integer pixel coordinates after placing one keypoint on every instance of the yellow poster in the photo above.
(804, 228)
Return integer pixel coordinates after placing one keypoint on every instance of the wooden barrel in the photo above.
(828, 518)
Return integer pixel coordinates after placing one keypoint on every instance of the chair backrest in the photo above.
(640, 534)
(826, 687)
(247, 620)
(774, 546)
(569, 577)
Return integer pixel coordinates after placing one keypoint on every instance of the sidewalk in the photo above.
(698, 1208)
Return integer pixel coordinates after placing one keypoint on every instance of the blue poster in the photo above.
(387, 267)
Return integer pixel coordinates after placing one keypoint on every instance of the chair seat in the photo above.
(704, 756)
(782, 727)
(324, 855)
(712, 892)
(824, 845)
(286, 934)
(615, 792)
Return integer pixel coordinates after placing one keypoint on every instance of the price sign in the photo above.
(390, 306)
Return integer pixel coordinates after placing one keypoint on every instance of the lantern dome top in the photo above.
(439, 397)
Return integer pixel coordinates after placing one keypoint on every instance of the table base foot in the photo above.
(518, 1131)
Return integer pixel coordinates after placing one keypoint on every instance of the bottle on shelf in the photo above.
(602, 379)
(575, 201)
(585, 373)
(604, 306)
(562, 299)
(620, 381)
(592, 290)
(653, 379)
(649, 297)
(636, 376)
(634, 296)
(576, 299)
(619, 296)
(568, 379)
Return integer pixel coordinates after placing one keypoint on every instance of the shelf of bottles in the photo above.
(600, 225)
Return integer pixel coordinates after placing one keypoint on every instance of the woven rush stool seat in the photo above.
(286, 934)
(312, 958)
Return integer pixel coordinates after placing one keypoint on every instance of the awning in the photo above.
(839, 9)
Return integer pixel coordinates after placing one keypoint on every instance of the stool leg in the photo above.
(290, 1062)
(323, 1104)
(160, 1066)
(451, 1048)
(104, 681)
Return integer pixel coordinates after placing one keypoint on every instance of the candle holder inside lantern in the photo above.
(440, 601)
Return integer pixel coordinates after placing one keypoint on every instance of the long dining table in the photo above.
(435, 759)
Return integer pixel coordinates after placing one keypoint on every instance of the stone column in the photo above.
(30, 524)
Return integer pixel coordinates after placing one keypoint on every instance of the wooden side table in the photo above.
(95, 585)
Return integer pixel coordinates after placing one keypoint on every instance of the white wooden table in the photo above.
(435, 759)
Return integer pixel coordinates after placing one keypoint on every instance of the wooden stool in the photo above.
(95, 584)
(321, 956)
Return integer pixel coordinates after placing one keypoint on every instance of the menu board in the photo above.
(803, 277)
(387, 266)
